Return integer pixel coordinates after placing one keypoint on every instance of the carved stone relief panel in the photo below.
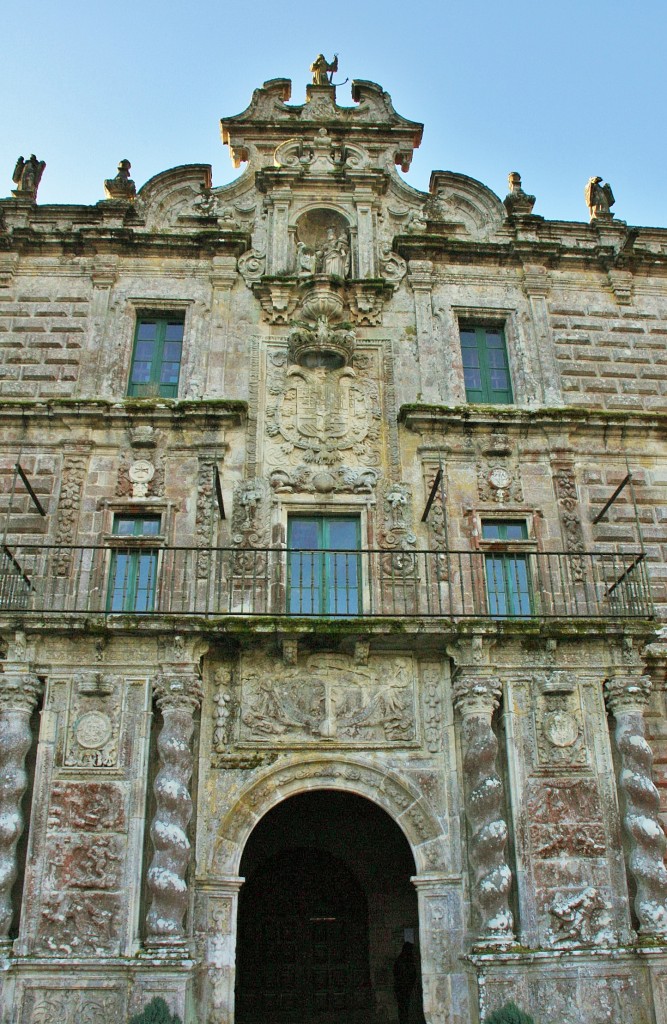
(327, 697)
(566, 818)
(565, 485)
(93, 719)
(78, 1003)
(498, 472)
(69, 504)
(322, 416)
(569, 848)
(559, 721)
(432, 701)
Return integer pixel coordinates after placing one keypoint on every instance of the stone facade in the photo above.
(163, 694)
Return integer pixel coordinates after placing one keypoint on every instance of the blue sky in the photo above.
(556, 90)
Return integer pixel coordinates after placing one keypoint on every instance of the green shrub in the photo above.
(509, 1014)
(157, 1012)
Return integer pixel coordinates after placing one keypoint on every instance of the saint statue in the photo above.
(322, 71)
(27, 175)
(334, 254)
(599, 199)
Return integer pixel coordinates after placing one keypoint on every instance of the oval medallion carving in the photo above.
(93, 730)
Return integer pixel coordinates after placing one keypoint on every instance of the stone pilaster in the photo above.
(476, 696)
(365, 235)
(19, 692)
(537, 287)
(627, 697)
(420, 277)
(219, 899)
(220, 359)
(279, 247)
(178, 695)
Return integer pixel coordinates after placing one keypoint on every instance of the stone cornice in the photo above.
(163, 411)
(429, 419)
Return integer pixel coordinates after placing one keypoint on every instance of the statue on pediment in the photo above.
(27, 176)
(322, 71)
(122, 186)
(599, 199)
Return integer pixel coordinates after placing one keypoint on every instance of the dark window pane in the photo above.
(147, 330)
(169, 373)
(499, 380)
(172, 351)
(304, 533)
(473, 379)
(145, 350)
(174, 332)
(490, 531)
(494, 340)
(141, 373)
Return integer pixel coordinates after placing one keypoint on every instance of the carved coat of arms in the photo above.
(322, 412)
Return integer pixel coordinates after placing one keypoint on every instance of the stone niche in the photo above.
(321, 240)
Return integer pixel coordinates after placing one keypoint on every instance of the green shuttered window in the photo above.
(156, 360)
(485, 365)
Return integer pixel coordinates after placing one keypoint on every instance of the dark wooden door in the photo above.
(302, 952)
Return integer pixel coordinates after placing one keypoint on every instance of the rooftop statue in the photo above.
(27, 175)
(122, 186)
(599, 199)
(322, 71)
(517, 201)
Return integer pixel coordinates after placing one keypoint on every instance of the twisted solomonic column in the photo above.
(178, 697)
(627, 696)
(19, 693)
(476, 697)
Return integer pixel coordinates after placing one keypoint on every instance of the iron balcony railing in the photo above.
(147, 579)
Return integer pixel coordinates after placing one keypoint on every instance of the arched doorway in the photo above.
(325, 909)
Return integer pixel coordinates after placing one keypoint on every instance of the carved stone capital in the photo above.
(476, 694)
(178, 692)
(420, 274)
(19, 691)
(627, 693)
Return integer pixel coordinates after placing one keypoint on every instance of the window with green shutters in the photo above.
(324, 571)
(507, 573)
(133, 575)
(485, 365)
(156, 359)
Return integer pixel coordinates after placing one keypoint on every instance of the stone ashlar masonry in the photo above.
(524, 759)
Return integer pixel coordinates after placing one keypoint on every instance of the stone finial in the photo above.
(122, 186)
(322, 71)
(599, 199)
(27, 176)
(517, 202)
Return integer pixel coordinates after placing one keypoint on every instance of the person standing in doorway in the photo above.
(405, 977)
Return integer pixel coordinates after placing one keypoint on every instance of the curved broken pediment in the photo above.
(461, 201)
(166, 195)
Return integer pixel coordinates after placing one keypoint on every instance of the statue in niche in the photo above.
(322, 71)
(599, 199)
(27, 176)
(334, 254)
(306, 261)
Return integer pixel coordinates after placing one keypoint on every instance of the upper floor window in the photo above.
(156, 359)
(485, 365)
(324, 572)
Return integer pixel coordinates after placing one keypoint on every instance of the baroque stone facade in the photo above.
(319, 633)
